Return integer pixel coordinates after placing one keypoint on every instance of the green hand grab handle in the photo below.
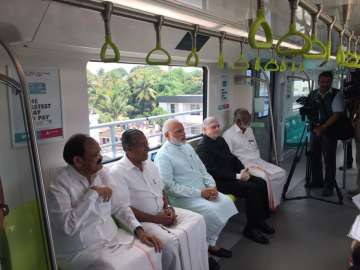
(351, 59)
(272, 65)
(241, 63)
(293, 52)
(293, 66)
(283, 66)
(254, 27)
(221, 59)
(158, 47)
(192, 59)
(314, 40)
(106, 15)
(108, 43)
(291, 33)
(329, 43)
(166, 61)
(340, 54)
(257, 66)
(189, 60)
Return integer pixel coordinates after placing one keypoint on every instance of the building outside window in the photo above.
(124, 96)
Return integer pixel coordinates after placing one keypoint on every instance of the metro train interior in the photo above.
(103, 67)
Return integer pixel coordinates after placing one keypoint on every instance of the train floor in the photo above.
(310, 234)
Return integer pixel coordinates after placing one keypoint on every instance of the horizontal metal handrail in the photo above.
(130, 121)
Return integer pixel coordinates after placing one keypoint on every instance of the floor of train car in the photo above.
(310, 234)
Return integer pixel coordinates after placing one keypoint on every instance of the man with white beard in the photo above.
(189, 185)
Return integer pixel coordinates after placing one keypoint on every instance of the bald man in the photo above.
(242, 143)
(190, 186)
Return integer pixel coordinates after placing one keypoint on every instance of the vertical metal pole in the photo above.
(271, 117)
(34, 153)
(345, 144)
(113, 142)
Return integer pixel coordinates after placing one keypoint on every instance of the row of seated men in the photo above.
(169, 214)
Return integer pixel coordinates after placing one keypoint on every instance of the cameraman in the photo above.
(331, 108)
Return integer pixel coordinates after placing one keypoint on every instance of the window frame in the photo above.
(204, 100)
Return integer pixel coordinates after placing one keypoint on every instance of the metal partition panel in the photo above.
(27, 227)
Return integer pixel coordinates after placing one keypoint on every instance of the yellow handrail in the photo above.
(283, 65)
(106, 15)
(272, 64)
(258, 61)
(158, 47)
(314, 40)
(221, 59)
(293, 32)
(260, 22)
(340, 54)
(329, 43)
(241, 64)
(193, 53)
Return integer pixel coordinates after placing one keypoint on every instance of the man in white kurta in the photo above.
(180, 230)
(189, 186)
(242, 144)
(80, 206)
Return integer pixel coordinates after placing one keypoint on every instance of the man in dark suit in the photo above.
(232, 178)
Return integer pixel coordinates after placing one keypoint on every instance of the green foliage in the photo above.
(117, 94)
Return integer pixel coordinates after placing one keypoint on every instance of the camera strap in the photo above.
(324, 112)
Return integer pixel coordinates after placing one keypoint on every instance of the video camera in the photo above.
(310, 109)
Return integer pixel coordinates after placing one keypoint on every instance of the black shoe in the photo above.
(221, 252)
(347, 167)
(265, 228)
(327, 192)
(256, 236)
(213, 264)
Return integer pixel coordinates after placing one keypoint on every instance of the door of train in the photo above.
(261, 123)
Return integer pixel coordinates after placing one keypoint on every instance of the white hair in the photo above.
(208, 121)
(167, 125)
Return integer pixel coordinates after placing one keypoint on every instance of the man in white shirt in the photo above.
(242, 144)
(183, 232)
(81, 208)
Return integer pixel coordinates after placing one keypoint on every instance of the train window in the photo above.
(202, 4)
(124, 96)
(262, 93)
(300, 88)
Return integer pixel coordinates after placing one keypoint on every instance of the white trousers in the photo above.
(185, 242)
(274, 176)
(124, 257)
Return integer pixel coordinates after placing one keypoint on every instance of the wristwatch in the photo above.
(4, 208)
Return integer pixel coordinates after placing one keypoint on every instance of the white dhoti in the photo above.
(216, 213)
(274, 176)
(123, 257)
(185, 243)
